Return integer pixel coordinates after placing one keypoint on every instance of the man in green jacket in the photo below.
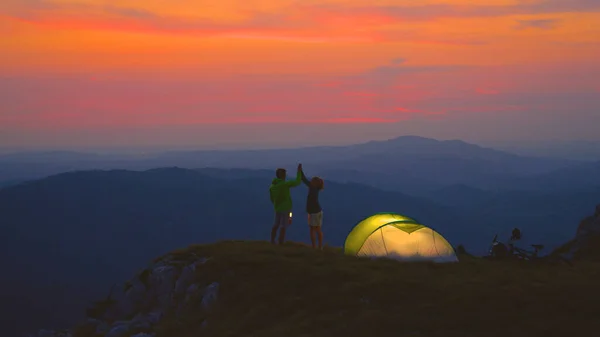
(282, 201)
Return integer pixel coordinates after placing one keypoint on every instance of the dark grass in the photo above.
(588, 251)
(292, 290)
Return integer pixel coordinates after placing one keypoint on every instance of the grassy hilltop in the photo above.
(292, 290)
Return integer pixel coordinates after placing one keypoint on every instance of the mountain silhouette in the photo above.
(408, 164)
(67, 237)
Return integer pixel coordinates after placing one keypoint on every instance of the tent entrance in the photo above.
(419, 244)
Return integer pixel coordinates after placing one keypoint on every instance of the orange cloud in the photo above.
(326, 22)
(300, 26)
(537, 23)
(231, 36)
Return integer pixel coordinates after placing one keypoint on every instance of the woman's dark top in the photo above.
(312, 201)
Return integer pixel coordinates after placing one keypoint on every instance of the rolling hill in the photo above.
(87, 230)
(68, 236)
(237, 288)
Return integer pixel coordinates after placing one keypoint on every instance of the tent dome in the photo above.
(399, 237)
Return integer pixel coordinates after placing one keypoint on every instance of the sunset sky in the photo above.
(282, 72)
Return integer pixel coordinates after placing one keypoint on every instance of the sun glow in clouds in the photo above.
(103, 65)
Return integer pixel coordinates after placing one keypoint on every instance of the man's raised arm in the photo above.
(298, 180)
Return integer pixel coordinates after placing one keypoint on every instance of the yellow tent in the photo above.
(398, 237)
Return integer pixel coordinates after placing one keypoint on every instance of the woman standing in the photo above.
(313, 208)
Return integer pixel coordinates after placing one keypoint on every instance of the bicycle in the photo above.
(500, 251)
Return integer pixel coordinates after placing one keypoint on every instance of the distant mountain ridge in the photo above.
(407, 163)
(583, 174)
(576, 150)
(400, 146)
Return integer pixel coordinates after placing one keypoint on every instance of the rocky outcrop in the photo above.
(586, 244)
(135, 308)
(590, 225)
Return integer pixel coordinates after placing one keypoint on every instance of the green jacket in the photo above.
(280, 193)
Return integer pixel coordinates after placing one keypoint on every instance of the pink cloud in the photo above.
(165, 101)
(109, 103)
(358, 120)
(330, 84)
(362, 94)
(487, 91)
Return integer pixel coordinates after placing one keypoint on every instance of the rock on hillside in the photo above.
(586, 244)
(134, 309)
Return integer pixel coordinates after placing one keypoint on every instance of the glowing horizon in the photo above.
(443, 68)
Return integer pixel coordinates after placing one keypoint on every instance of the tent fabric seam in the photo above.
(386, 224)
(408, 219)
(382, 239)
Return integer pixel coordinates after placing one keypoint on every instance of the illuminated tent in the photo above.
(398, 237)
